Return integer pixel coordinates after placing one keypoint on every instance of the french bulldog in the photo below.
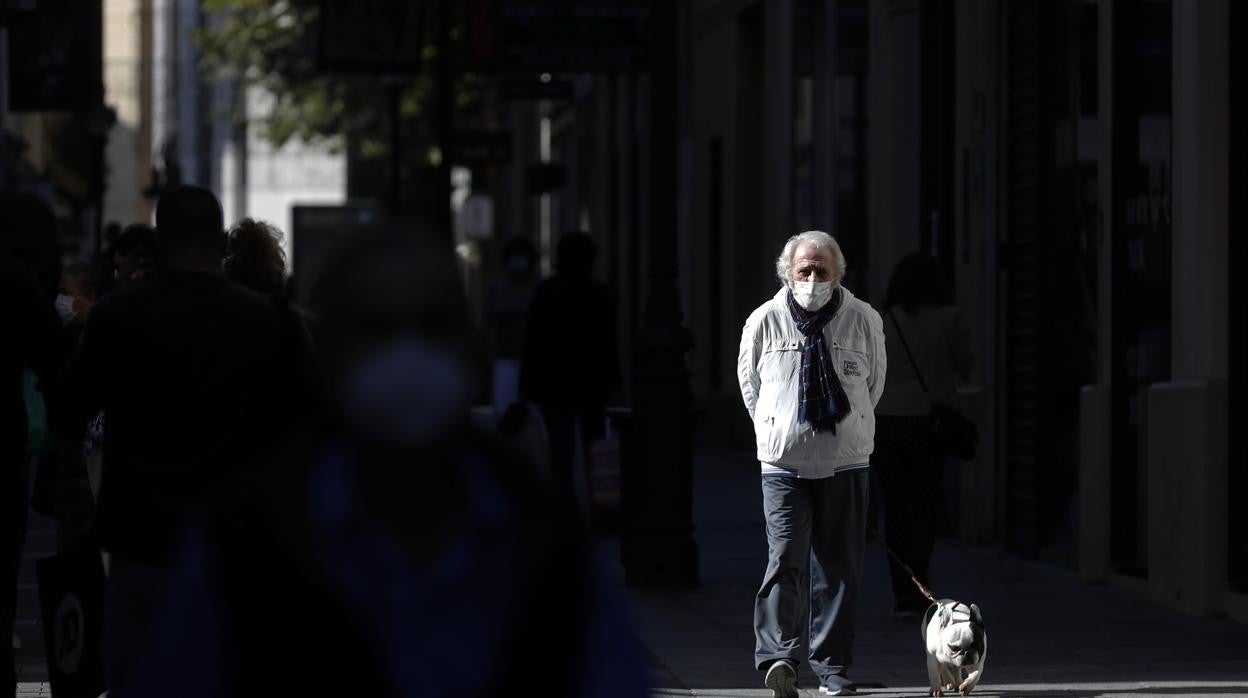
(957, 646)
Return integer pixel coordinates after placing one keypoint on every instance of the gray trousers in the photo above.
(816, 532)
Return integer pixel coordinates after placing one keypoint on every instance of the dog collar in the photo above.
(945, 613)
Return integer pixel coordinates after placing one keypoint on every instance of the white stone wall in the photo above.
(127, 156)
(274, 179)
(277, 178)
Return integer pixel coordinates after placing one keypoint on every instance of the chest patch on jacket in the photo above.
(850, 368)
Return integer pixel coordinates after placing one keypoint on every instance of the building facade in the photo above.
(1067, 162)
(175, 125)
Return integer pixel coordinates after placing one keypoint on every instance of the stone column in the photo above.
(1188, 439)
(657, 543)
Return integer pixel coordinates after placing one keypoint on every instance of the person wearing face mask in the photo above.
(76, 294)
(61, 489)
(811, 369)
(32, 341)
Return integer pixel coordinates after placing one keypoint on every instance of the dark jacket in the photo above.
(257, 586)
(196, 377)
(571, 355)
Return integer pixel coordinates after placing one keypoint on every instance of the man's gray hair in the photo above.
(815, 238)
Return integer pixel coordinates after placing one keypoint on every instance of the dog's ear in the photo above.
(976, 615)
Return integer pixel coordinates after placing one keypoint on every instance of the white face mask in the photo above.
(65, 308)
(811, 295)
(405, 392)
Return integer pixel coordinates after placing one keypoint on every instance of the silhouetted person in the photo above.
(571, 361)
(394, 550)
(908, 461)
(61, 487)
(509, 300)
(32, 339)
(254, 257)
(193, 376)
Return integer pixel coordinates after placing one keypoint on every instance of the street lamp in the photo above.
(657, 543)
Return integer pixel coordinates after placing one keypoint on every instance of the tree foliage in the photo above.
(272, 46)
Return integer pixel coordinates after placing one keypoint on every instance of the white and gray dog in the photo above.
(957, 645)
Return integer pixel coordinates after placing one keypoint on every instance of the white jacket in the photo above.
(769, 367)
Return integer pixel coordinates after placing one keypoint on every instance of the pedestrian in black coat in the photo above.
(571, 358)
(32, 339)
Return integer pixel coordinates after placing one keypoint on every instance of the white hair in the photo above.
(814, 238)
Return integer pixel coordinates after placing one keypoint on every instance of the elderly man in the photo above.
(811, 367)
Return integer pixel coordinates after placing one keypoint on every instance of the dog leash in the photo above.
(913, 577)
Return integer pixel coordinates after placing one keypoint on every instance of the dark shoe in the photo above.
(837, 685)
(781, 679)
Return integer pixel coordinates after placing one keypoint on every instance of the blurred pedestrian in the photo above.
(32, 339)
(929, 352)
(62, 490)
(194, 375)
(509, 300)
(811, 368)
(571, 361)
(76, 295)
(254, 257)
(394, 550)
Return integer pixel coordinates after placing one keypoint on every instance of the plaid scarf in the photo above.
(823, 402)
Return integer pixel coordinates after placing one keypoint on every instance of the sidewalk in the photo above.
(1049, 633)
(32, 669)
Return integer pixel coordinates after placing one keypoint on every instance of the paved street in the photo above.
(1049, 634)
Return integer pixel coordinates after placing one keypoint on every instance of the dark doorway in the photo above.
(1141, 259)
(1237, 471)
(938, 90)
(850, 121)
(1049, 267)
